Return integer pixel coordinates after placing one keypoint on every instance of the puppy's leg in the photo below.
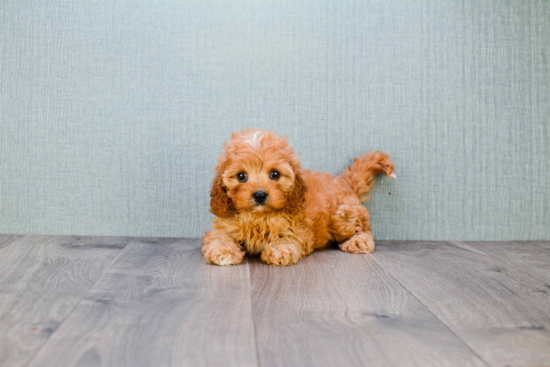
(221, 249)
(351, 227)
(282, 253)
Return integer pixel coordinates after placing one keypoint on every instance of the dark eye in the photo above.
(242, 177)
(274, 175)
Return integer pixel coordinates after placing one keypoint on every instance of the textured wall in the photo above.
(112, 113)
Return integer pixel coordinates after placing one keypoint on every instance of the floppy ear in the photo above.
(296, 200)
(219, 201)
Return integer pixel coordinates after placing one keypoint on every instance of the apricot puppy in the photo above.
(266, 204)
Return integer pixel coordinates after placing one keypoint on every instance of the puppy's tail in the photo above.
(360, 175)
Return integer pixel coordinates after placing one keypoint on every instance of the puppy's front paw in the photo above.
(361, 243)
(222, 254)
(282, 254)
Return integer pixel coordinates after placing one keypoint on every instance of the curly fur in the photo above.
(304, 210)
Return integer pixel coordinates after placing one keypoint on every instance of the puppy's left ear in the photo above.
(296, 200)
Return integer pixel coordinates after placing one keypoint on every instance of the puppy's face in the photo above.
(259, 183)
(258, 173)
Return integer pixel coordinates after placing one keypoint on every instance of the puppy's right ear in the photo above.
(219, 201)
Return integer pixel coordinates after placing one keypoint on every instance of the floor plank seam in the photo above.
(31, 360)
(429, 310)
(367, 331)
(258, 362)
(504, 262)
(16, 239)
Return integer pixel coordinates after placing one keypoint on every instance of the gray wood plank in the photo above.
(532, 258)
(42, 278)
(6, 239)
(159, 305)
(500, 312)
(338, 309)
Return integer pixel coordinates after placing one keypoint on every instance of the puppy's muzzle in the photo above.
(260, 197)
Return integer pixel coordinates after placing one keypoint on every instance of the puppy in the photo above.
(266, 204)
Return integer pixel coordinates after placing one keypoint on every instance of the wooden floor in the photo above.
(114, 301)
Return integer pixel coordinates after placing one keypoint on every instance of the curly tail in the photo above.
(360, 175)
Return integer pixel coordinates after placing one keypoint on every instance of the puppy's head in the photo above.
(259, 173)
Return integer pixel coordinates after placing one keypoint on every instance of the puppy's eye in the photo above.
(242, 177)
(274, 175)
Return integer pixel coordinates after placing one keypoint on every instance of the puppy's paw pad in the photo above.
(359, 244)
(281, 255)
(223, 255)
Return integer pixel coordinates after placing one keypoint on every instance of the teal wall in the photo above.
(112, 113)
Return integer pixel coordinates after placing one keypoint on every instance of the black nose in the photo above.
(259, 197)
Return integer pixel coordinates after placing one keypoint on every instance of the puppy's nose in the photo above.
(259, 197)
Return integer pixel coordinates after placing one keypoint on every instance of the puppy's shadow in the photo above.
(317, 256)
